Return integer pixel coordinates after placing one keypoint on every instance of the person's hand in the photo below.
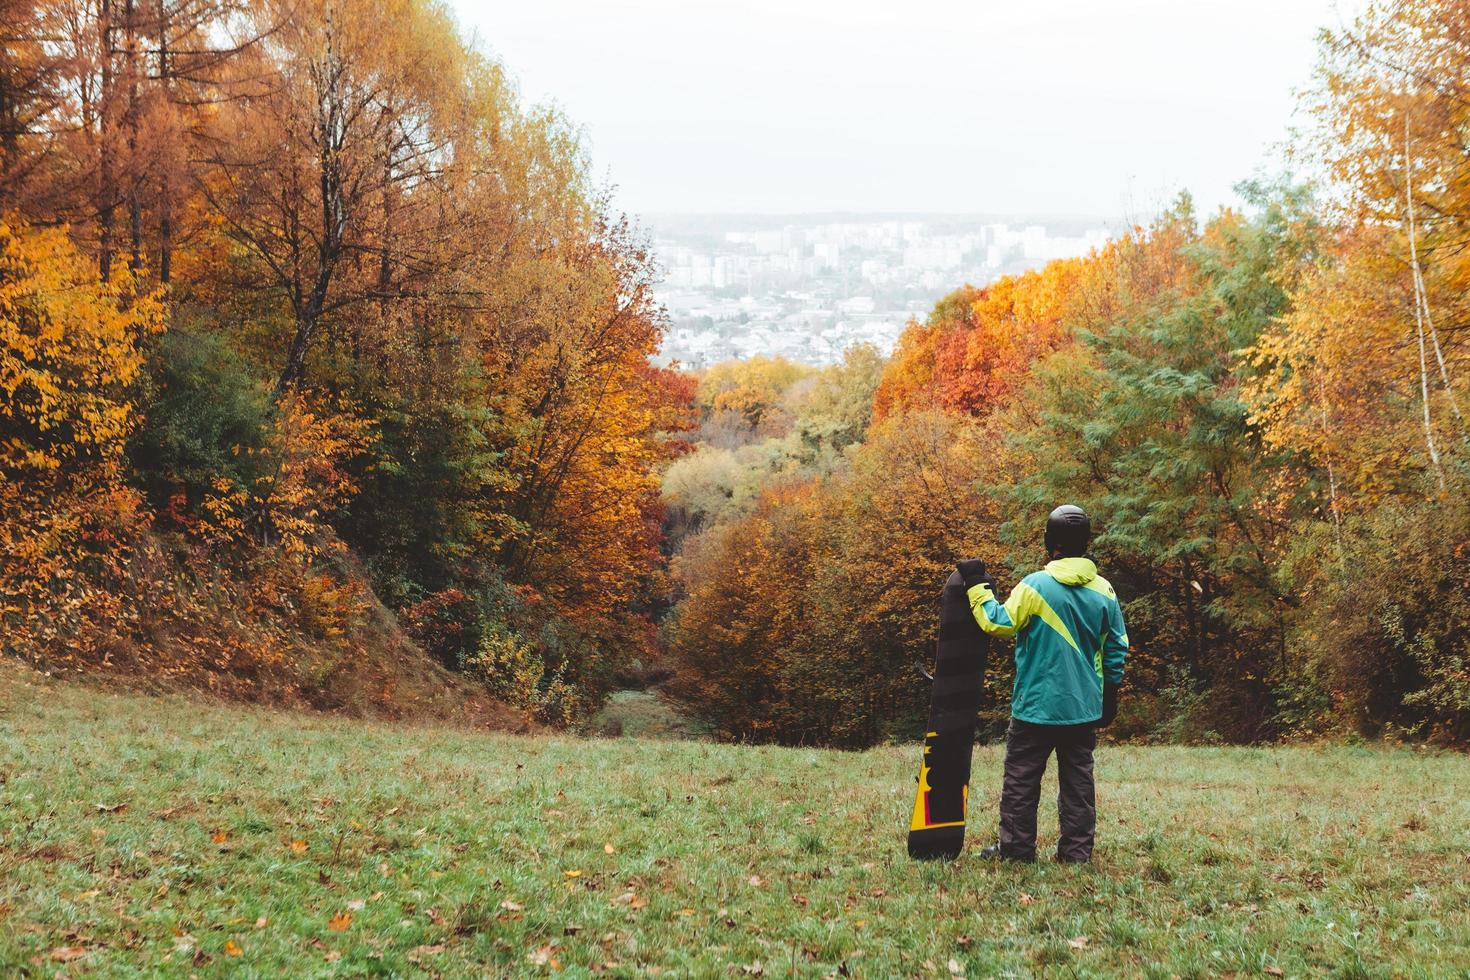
(1110, 704)
(972, 572)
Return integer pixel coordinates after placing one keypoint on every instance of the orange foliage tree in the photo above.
(71, 349)
(802, 620)
(978, 343)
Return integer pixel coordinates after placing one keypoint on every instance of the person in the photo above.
(1070, 648)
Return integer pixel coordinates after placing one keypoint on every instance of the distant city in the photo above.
(807, 287)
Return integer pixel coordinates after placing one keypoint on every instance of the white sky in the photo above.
(1100, 107)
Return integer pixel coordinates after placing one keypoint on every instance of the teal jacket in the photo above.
(1069, 636)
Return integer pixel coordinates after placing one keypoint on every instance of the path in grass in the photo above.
(158, 835)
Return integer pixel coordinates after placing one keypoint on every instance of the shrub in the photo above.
(205, 426)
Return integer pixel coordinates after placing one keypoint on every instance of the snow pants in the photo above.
(1028, 746)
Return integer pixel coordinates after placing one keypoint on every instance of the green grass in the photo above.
(142, 835)
(644, 714)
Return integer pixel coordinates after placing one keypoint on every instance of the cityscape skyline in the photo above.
(808, 288)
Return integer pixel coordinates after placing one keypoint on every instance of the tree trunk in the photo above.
(9, 127)
(106, 189)
(166, 175)
(1421, 294)
(1191, 624)
(135, 177)
(1419, 308)
(330, 125)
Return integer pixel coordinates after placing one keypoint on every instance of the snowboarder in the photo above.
(1070, 647)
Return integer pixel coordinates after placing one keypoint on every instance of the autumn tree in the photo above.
(978, 343)
(1363, 382)
(331, 130)
(30, 96)
(70, 351)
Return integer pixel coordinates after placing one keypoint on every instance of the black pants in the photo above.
(1027, 748)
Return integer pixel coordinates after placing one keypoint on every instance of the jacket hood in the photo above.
(1072, 571)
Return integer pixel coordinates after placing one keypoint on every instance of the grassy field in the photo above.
(160, 836)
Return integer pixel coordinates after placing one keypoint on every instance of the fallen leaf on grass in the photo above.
(111, 807)
(609, 849)
(573, 872)
(260, 922)
(65, 954)
(756, 880)
(433, 950)
(298, 847)
(540, 957)
(340, 922)
(90, 893)
(1078, 942)
(638, 902)
(1275, 971)
(232, 948)
(1028, 899)
(954, 968)
(754, 969)
(220, 836)
(510, 906)
(357, 904)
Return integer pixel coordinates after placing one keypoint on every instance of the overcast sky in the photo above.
(1100, 107)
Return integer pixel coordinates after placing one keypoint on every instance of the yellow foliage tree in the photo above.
(70, 348)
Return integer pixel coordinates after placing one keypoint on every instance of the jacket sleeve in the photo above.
(1001, 620)
(1115, 644)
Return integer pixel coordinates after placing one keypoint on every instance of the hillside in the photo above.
(164, 836)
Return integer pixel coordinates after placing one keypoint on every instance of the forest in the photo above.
(321, 353)
(327, 380)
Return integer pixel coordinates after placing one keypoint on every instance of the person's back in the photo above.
(1068, 615)
(1070, 648)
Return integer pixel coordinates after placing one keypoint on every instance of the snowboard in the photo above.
(937, 828)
